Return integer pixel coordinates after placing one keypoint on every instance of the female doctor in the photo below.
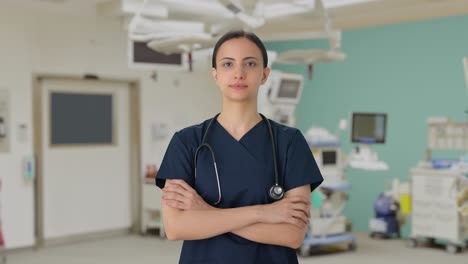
(236, 188)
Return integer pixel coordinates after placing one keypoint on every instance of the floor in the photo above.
(152, 250)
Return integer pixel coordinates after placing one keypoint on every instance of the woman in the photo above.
(233, 211)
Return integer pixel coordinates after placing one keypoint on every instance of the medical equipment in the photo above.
(279, 96)
(446, 134)
(328, 225)
(367, 128)
(390, 208)
(440, 194)
(276, 192)
(385, 224)
(327, 152)
(436, 210)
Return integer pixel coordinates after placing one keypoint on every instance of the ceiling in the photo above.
(376, 13)
(360, 15)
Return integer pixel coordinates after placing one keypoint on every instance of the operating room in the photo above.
(92, 92)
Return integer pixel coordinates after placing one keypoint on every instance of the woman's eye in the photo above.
(227, 64)
(251, 64)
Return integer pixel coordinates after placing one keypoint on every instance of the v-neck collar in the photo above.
(245, 134)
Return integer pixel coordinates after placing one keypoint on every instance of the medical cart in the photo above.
(439, 191)
(436, 214)
(328, 225)
(329, 229)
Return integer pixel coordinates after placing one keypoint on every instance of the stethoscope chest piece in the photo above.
(276, 192)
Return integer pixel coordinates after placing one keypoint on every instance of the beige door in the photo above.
(85, 185)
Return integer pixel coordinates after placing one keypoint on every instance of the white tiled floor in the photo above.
(153, 250)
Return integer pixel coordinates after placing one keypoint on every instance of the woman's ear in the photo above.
(266, 73)
(214, 73)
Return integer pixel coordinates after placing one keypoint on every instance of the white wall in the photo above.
(58, 44)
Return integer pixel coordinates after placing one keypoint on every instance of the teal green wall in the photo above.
(411, 71)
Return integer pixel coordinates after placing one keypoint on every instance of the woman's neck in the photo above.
(238, 118)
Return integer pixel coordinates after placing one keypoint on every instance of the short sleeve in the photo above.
(301, 168)
(176, 164)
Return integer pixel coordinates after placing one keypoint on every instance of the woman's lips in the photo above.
(238, 86)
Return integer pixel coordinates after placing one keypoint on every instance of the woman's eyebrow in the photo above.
(246, 58)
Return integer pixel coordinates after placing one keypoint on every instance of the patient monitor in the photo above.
(279, 96)
(367, 129)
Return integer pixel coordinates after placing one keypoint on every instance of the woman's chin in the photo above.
(238, 98)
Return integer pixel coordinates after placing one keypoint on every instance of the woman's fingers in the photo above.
(298, 210)
(174, 188)
(182, 184)
(301, 207)
(182, 192)
(297, 222)
(301, 216)
(174, 197)
(298, 199)
(175, 204)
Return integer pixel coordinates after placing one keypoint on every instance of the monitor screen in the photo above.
(140, 56)
(289, 89)
(329, 157)
(368, 128)
(143, 54)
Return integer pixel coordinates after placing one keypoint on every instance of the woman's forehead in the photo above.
(239, 48)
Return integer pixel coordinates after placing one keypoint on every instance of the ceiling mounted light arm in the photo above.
(136, 19)
(312, 56)
(320, 9)
(334, 38)
(249, 20)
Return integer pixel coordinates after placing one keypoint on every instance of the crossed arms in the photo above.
(187, 216)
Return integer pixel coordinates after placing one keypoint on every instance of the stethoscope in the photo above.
(275, 192)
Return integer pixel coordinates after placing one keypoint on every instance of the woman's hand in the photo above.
(293, 210)
(178, 194)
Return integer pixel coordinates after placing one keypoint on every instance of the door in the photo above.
(84, 150)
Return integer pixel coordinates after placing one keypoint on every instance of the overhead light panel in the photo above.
(146, 29)
(338, 3)
(283, 9)
(330, 3)
(151, 9)
(132, 7)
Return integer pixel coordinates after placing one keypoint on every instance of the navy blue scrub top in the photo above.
(246, 172)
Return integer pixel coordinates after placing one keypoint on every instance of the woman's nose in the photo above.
(240, 73)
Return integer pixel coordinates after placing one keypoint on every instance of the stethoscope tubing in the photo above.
(205, 144)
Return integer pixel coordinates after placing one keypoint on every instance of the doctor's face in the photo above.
(239, 70)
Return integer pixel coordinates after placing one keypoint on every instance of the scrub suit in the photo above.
(246, 172)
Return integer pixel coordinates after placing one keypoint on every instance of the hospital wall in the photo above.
(411, 71)
(57, 44)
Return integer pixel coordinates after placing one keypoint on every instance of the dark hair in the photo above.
(240, 34)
